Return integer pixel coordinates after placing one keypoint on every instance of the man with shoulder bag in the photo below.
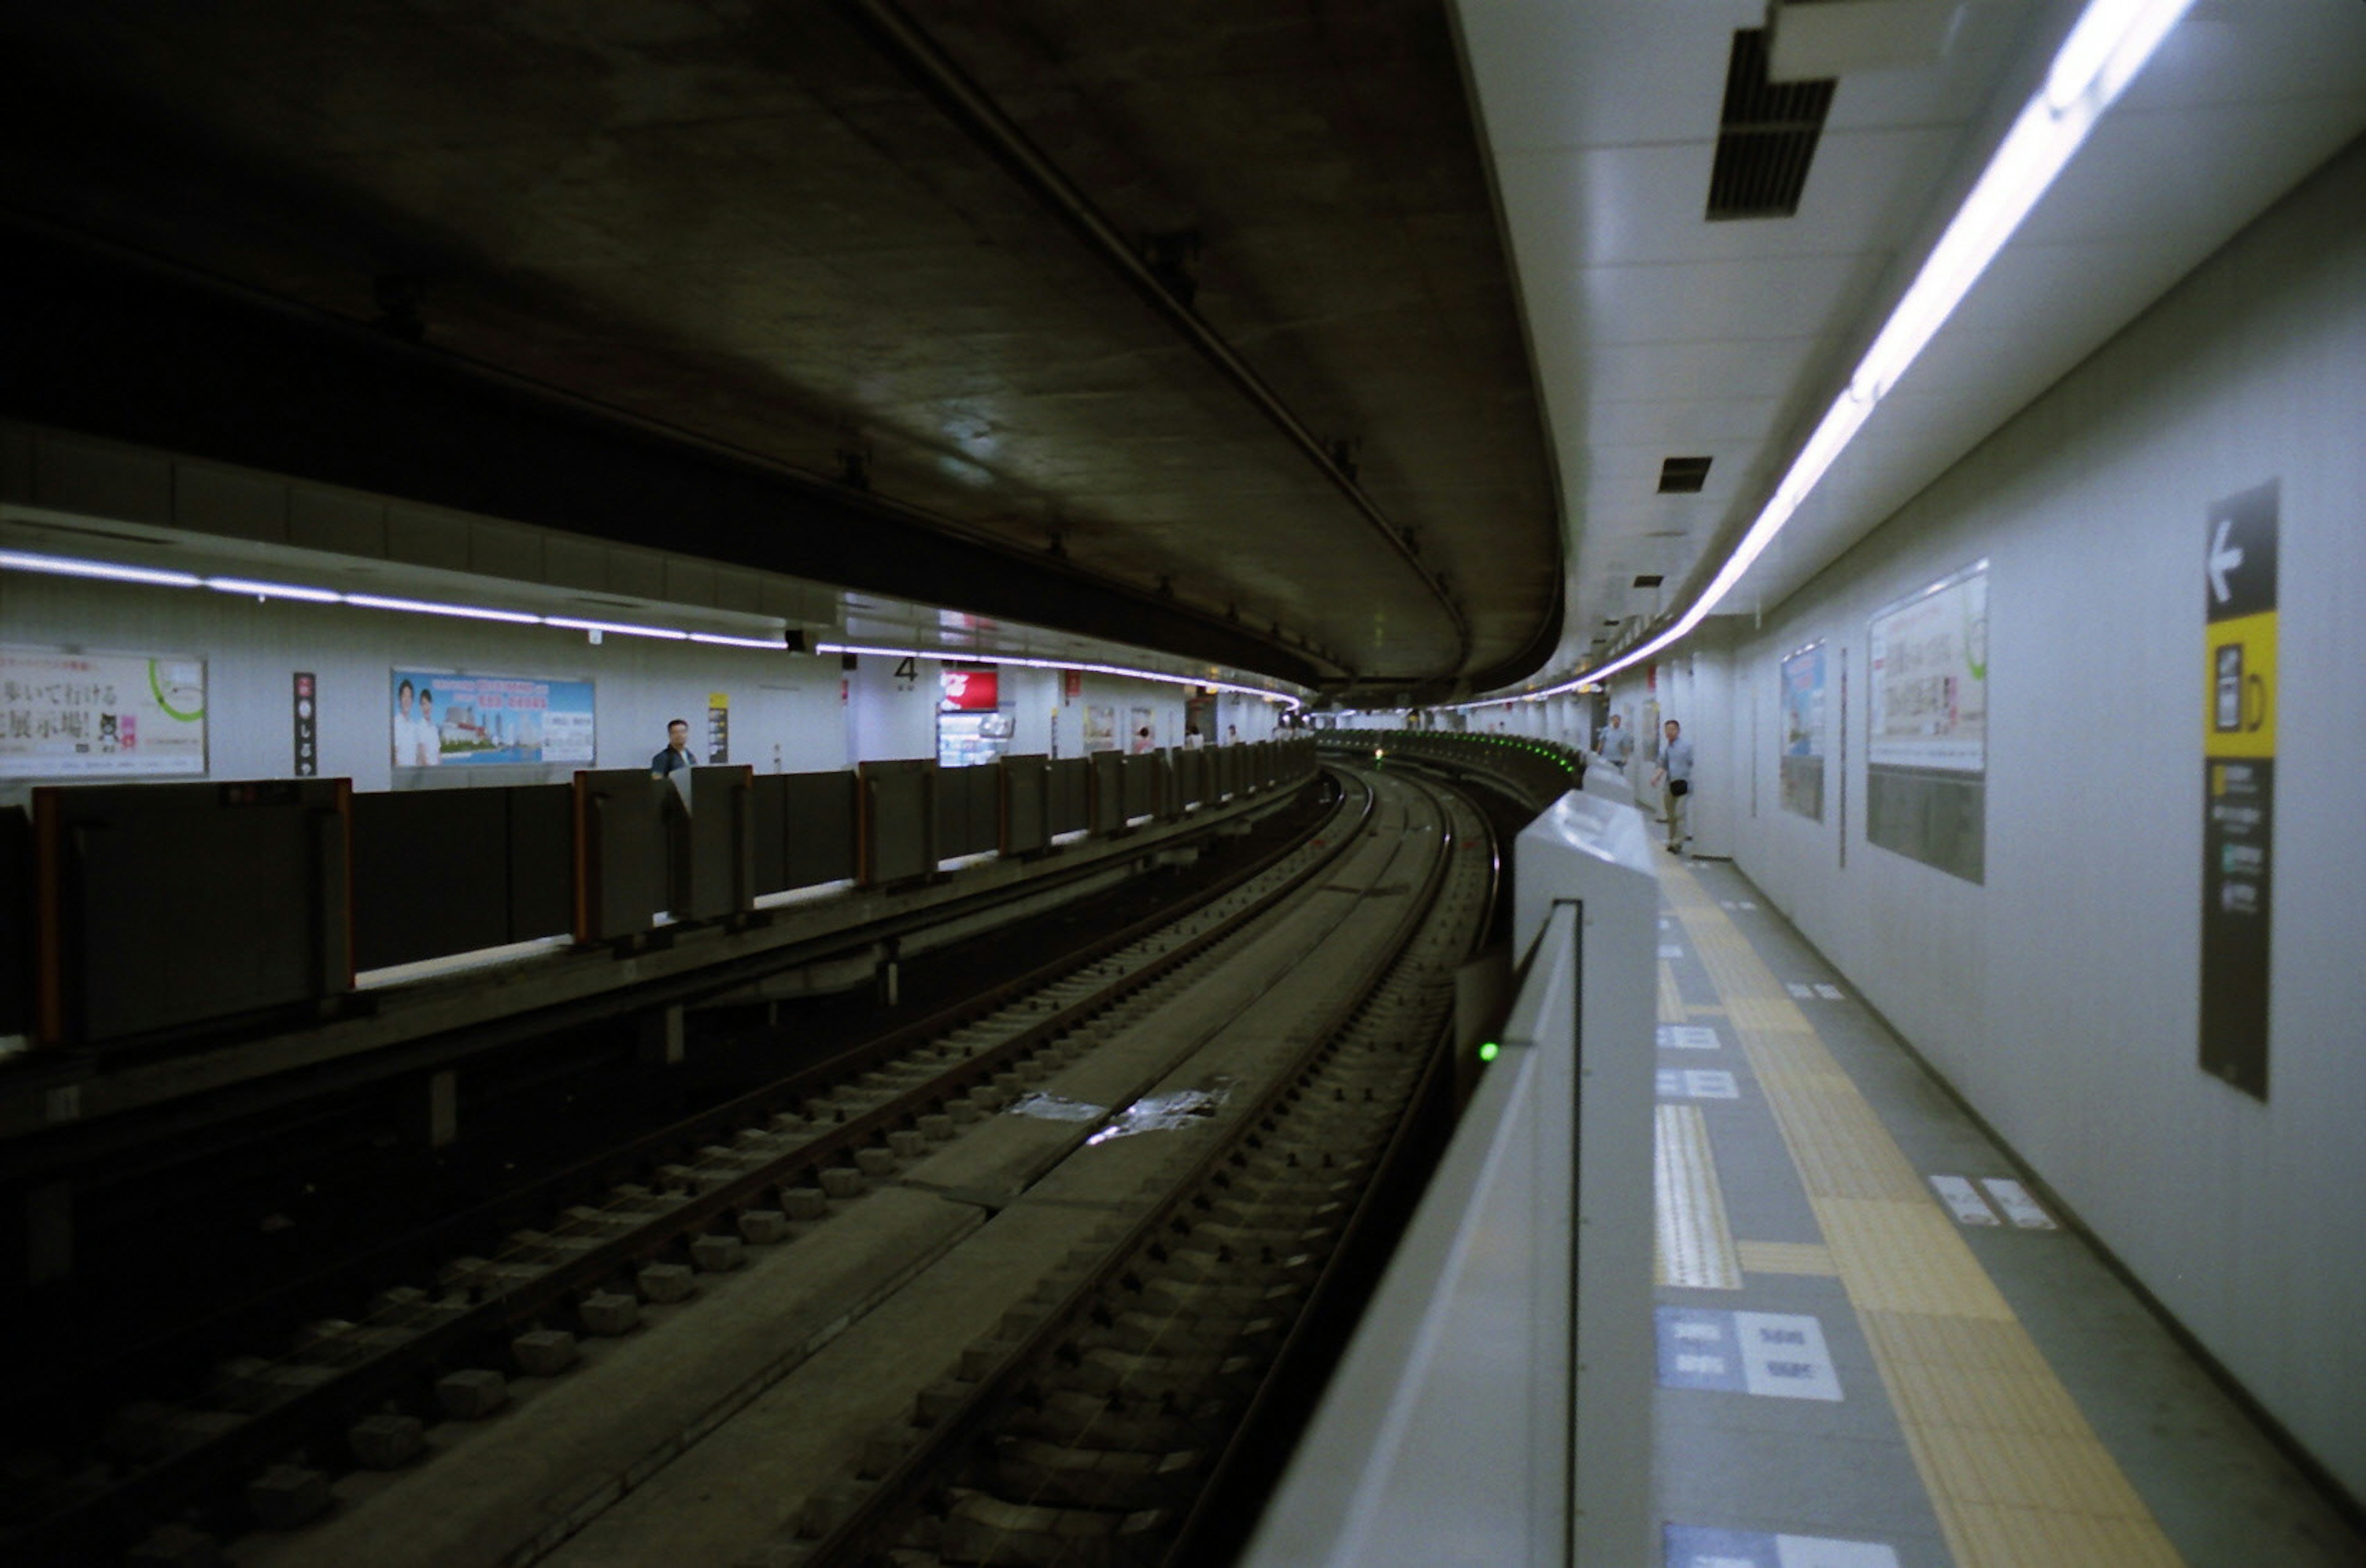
(1676, 768)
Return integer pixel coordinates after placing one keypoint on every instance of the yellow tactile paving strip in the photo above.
(1695, 1245)
(2016, 1476)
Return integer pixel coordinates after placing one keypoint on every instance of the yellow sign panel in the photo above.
(2238, 716)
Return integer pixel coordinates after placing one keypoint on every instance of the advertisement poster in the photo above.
(101, 715)
(444, 720)
(1139, 738)
(1100, 728)
(1930, 664)
(971, 691)
(1803, 732)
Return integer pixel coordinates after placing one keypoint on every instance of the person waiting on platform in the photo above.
(1677, 767)
(1192, 739)
(677, 750)
(1232, 735)
(1615, 743)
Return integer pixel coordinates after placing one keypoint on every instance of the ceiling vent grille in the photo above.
(1683, 476)
(1650, 580)
(1766, 137)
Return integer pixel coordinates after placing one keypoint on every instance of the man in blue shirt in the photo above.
(1616, 745)
(677, 750)
(1677, 767)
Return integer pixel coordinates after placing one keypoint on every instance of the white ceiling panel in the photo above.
(1543, 76)
(1658, 334)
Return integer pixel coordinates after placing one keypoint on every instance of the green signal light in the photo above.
(1487, 1051)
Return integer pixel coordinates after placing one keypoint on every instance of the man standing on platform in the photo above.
(1677, 767)
(1616, 745)
(677, 751)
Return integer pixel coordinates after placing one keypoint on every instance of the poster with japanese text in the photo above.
(1929, 656)
(444, 720)
(69, 715)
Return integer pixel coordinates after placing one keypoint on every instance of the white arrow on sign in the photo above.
(2223, 561)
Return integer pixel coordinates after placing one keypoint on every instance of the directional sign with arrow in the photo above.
(2238, 752)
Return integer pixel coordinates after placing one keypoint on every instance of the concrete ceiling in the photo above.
(1198, 314)
(777, 230)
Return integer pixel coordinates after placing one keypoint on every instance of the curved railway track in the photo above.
(942, 1202)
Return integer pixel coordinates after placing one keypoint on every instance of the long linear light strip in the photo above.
(2105, 50)
(113, 571)
(955, 657)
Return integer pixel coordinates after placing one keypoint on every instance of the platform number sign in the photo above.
(2238, 753)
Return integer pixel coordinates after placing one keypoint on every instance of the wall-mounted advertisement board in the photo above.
(446, 720)
(1926, 741)
(73, 716)
(1803, 732)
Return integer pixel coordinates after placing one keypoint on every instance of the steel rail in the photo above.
(890, 1504)
(108, 1517)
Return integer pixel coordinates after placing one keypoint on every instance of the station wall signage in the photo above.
(2238, 802)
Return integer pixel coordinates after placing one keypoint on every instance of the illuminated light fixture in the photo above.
(275, 590)
(952, 656)
(622, 628)
(109, 571)
(430, 607)
(719, 639)
(70, 566)
(2106, 49)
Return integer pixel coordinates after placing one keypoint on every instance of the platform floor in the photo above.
(1878, 1347)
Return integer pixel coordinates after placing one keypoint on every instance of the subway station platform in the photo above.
(1881, 1345)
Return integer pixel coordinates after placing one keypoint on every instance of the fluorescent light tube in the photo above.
(950, 656)
(275, 590)
(720, 640)
(621, 629)
(2102, 53)
(429, 608)
(68, 566)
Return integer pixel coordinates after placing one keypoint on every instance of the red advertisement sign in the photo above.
(969, 691)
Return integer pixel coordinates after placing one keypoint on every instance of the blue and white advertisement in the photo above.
(446, 720)
(1803, 732)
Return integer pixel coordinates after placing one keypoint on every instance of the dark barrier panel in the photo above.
(542, 860)
(624, 821)
(966, 802)
(1072, 794)
(769, 805)
(1224, 776)
(15, 921)
(820, 844)
(1144, 773)
(164, 905)
(898, 821)
(1107, 813)
(1190, 778)
(953, 811)
(722, 831)
(986, 808)
(1025, 805)
(431, 874)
